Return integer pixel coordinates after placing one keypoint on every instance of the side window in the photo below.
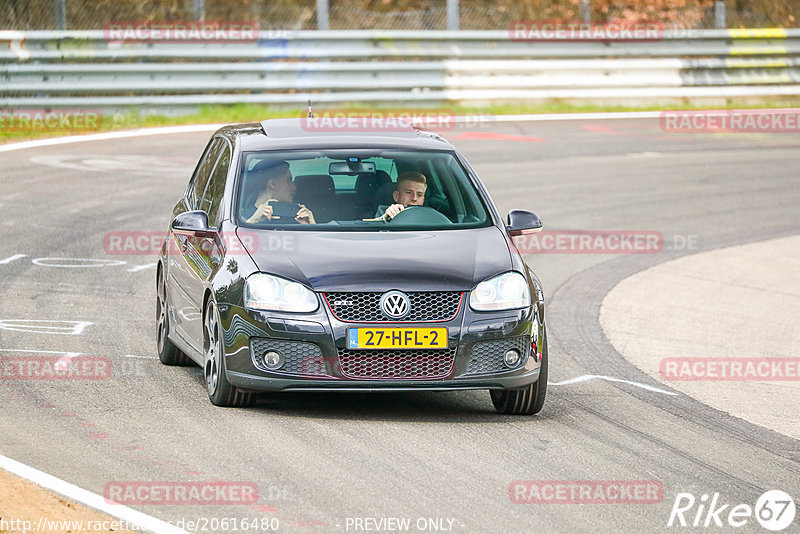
(190, 187)
(200, 181)
(216, 187)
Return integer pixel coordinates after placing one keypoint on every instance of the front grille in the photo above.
(365, 307)
(301, 358)
(390, 364)
(486, 357)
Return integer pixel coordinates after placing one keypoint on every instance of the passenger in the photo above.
(278, 187)
(409, 191)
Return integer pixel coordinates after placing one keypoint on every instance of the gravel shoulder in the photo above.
(26, 507)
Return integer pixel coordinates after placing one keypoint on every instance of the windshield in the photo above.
(357, 189)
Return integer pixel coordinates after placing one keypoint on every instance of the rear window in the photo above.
(358, 190)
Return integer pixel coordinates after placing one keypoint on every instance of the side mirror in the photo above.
(521, 222)
(193, 223)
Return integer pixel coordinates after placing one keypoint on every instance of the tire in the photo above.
(168, 353)
(528, 400)
(220, 391)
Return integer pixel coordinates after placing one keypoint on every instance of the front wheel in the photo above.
(168, 353)
(528, 400)
(220, 391)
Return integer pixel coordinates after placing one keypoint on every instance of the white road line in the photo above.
(12, 258)
(192, 128)
(141, 267)
(76, 263)
(110, 135)
(44, 326)
(70, 354)
(542, 117)
(92, 500)
(586, 378)
(640, 155)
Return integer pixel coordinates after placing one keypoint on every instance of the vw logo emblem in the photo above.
(395, 304)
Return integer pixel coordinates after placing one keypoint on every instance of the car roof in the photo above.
(327, 133)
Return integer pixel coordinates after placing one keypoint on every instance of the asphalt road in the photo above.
(323, 460)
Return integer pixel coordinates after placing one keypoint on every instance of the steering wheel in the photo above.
(420, 215)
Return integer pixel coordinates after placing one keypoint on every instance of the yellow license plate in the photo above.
(397, 338)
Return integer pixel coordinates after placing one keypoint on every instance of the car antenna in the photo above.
(310, 113)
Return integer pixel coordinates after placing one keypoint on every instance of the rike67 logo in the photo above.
(774, 510)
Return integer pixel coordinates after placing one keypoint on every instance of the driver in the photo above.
(278, 187)
(409, 191)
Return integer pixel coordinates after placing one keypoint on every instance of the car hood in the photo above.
(378, 261)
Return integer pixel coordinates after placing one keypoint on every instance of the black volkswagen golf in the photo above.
(309, 257)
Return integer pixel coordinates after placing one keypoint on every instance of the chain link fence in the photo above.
(394, 14)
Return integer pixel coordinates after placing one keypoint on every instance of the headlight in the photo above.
(503, 292)
(272, 293)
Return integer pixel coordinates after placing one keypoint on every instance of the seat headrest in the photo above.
(384, 195)
(367, 185)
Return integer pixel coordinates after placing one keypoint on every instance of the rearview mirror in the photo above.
(192, 223)
(521, 222)
(351, 168)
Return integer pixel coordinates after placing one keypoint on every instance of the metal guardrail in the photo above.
(85, 69)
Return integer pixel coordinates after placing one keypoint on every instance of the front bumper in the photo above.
(317, 358)
(252, 382)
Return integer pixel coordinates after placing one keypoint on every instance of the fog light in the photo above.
(511, 358)
(273, 359)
